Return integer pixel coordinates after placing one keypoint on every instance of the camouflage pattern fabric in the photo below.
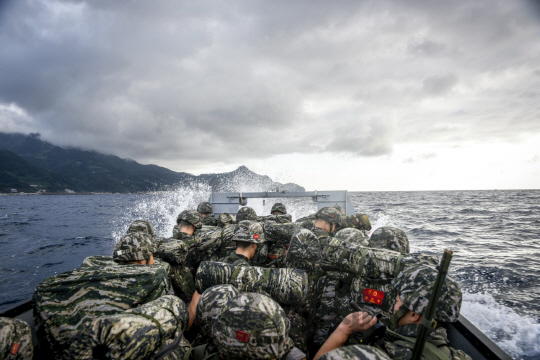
(299, 331)
(390, 238)
(226, 219)
(64, 303)
(373, 295)
(276, 257)
(279, 234)
(211, 304)
(175, 231)
(352, 235)
(101, 261)
(141, 226)
(310, 217)
(279, 207)
(355, 352)
(15, 339)
(134, 334)
(339, 255)
(333, 304)
(210, 220)
(205, 208)
(323, 235)
(287, 286)
(415, 285)
(182, 282)
(402, 350)
(191, 217)
(280, 219)
(235, 259)
(249, 231)
(246, 213)
(357, 221)
(133, 247)
(228, 246)
(173, 251)
(304, 252)
(330, 214)
(253, 326)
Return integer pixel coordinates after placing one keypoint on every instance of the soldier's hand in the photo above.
(358, 321)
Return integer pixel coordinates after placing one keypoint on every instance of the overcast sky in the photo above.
(357, 95)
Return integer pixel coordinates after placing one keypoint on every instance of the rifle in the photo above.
(427, 319)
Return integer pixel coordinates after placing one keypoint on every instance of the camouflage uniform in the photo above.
(357, 221)
(206, 209)
(355, 352)
(134, 334)
(246, 213)
(15, 340)
(287, 286)
(64, 303)
(133, 247)
(279, 207)
(252, 326)
(414, 286)
(390, 238)
(352, 235)
(246, 231)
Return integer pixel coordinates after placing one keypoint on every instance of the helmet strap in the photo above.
(394, 319)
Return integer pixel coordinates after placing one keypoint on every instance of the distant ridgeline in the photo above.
(30, 165)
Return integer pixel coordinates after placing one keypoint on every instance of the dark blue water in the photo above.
(494, 236)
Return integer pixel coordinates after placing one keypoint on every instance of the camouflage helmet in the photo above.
(390, 238)
(142, 226)
(246, 213)
(205, 208)
(279, 207)
(133, 247)
(352, 236)
(355, 352)
(339, 208)
(414, 286)
(252, 326)
(249, 231)
(359, 221)
(211, 303)
(226, 219)
(330, 214)
(191, 217)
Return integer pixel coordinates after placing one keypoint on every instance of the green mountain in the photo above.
(27, 160)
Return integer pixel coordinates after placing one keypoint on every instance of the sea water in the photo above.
(493, 234)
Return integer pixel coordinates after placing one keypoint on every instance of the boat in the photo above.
(462, 335)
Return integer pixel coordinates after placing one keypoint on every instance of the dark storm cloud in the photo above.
(223, 82)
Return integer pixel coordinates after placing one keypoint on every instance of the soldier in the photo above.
(246, 213)
(207, 214)
(249, 237)
(390, 238)
(253, 326)
(413, 286)
(327, 220)
(188, 221)
(142, 226)
(278, 209)
(134, 248)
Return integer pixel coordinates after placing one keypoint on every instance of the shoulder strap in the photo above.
(235, 275)
(264, 285)
(398, 266)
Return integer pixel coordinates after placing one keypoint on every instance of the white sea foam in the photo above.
(518, 335)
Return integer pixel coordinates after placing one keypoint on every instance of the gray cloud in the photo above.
(210, 81)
